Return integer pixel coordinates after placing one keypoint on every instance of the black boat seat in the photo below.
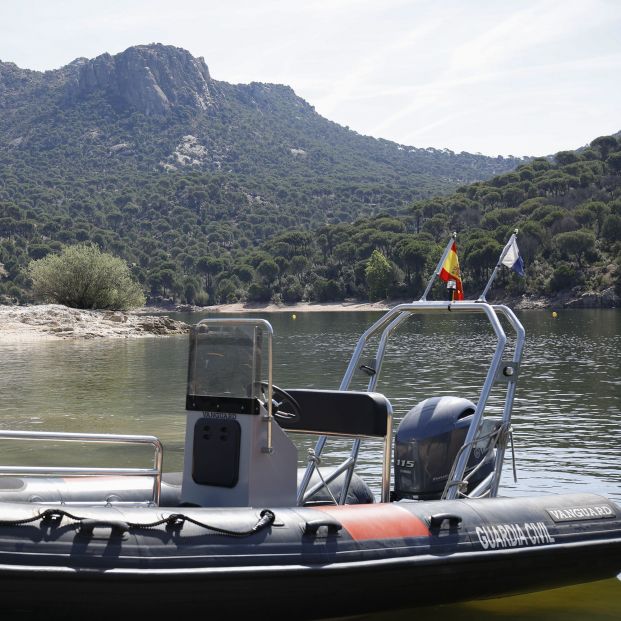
(339, 412)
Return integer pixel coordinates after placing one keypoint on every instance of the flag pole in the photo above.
(436, 272)
(493, 276)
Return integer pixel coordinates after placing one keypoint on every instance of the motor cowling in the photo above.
(426, 445)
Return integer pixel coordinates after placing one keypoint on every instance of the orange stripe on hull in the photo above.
(380, 521)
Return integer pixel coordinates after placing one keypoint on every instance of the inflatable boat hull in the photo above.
(311, 562)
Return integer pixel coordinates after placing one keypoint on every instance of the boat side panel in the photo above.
(368, 533)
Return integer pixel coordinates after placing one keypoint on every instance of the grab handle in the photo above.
(436, 521)
(88, 525)
(333, 525)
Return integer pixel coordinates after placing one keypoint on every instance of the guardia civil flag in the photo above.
(511, 258)
(450, 271)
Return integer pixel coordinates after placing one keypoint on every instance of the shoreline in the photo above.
(301, 307)
(606, 299)
(52, 322)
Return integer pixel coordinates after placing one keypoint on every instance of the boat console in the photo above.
(234, 455)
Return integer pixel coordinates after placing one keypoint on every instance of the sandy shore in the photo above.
(54, 321)
(604, 299)
(302, 307)
(522, 303)
(308, 307)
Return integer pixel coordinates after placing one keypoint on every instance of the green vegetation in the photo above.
(180, 246)
(190, 198)
(84, 277)
(379, 275)
(259, 198)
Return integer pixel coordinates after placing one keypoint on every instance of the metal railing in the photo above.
(347, 466)
(387, 324)
(98, 438)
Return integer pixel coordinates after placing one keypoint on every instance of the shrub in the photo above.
(82, 276)
(259, 293)
(611, 229)
(564, 277)
(379, 275)
(292, 290)
(227, 291)
(189, 293)
(327, 290)
(201, 298)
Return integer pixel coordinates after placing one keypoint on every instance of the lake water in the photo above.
(567, 413)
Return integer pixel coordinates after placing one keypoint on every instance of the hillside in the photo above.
(568, 212)
(146, 155)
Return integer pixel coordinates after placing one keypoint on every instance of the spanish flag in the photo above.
(450, 271)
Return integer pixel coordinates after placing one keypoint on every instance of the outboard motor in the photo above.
(427, 442)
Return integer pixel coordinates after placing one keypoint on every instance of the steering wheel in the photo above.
(284, 406)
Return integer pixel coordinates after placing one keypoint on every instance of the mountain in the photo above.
(156, 108)
(146, 145)
(149, 79)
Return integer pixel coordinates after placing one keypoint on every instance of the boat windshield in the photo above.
(225, 360)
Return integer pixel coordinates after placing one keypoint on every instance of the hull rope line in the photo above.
(173, 521)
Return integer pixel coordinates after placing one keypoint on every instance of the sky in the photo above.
(498, 77)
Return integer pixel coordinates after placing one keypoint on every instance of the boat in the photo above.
(242, 530)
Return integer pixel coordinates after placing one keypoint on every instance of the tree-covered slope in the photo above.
(149, 157)
(189, 240)
(568, 212)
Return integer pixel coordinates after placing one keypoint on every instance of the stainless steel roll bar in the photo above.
(499, 371)
(98, 438)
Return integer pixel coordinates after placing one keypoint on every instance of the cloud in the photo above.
(505, 53)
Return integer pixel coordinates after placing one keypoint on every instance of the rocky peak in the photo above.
(14, 82)
(149, 78)
(11, 76)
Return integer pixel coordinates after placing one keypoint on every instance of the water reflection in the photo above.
(597, 601)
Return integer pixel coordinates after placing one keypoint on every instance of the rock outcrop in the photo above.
(150, 79)
(25, 323)
(592, 299)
